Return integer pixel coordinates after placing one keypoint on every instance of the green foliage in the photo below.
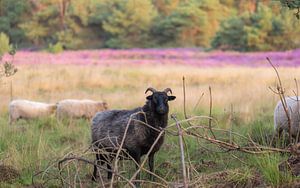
(231, 35)
(78, 24)
(190, 24)
(56, 48)
(128, 23)
(4, 44)
(261, 31)
(291, 4)
(12, 13)
(60, 22)
(35, 32)
(268, 165)
(6, 67)
(183, 27)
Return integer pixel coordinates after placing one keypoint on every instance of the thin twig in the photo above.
(120, 148)
(231, 124)
(197, 103)
(282, 99)
(184, 100)
(298, 107)
(11, 90)
(92, 163)
(233, 146)
(210, 113)
(180, 134)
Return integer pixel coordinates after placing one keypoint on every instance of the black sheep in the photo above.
(108, 128)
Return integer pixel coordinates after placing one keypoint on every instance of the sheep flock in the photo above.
(68, 108)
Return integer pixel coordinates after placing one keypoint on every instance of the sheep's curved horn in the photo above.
(150, 89)
(168, 90)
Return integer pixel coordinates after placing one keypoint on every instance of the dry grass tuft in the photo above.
(8, 173)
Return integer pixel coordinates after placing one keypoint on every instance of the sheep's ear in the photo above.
(170, 98)
(149, 97)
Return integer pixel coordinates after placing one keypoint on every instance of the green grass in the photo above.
(268, 167)
(240, 176)
(35, 146)
(29, 146)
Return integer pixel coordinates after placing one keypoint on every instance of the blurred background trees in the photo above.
(263, 30)
(244, 25)
(6, 67)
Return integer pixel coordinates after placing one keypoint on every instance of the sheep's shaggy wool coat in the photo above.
(139, 128)
(281, 120)
(72, 108)
(29, 109)
(108, 128)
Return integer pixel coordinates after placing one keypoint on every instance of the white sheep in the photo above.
(280, 117)
(73, 108)
(26, 109)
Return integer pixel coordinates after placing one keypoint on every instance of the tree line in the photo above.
(244, 25)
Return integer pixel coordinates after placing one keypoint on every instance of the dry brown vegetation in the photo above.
(123, 86)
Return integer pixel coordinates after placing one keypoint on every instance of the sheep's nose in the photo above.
(161, 109)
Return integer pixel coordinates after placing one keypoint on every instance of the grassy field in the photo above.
(242, 102)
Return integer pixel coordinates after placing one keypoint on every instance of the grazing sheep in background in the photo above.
(108, 128)
(26, 109)
(281, 120)
(72, 108)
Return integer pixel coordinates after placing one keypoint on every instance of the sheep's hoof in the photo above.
(137, 184)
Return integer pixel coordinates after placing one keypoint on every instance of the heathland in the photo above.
(242, 102)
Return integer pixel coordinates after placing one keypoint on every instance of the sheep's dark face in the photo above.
(159, 101)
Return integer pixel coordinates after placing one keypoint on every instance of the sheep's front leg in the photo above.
(99, 160)
(94, 177)
(137, 158)
(109, 172)
(279, 132)
(151, 165)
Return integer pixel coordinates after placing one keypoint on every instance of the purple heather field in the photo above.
(186, 56)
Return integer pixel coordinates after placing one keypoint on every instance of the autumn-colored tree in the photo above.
(77, 24)
(260, 31)
(12, 13)
(129, 23)
(293, 5)
(191, 24)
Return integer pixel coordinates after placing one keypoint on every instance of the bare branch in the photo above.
(210, 113)
(183, 168)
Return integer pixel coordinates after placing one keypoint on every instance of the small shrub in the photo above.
(260, 132)
(8, 173)
(268, 166)
(4, 44)
(56, 48)
(6, 67)
(263, 133)
(240, 177)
